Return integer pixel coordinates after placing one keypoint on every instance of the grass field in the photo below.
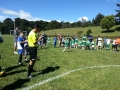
(54, 62)
(114, 31)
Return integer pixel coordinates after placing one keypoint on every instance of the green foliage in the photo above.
(88, 32)
(107, 22)
(79, 33)
(97, 19)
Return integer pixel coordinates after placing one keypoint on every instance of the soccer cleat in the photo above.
(20, 63)
(29, 76)
(26, 59)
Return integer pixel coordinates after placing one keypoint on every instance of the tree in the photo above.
(88, 32)
(8, 25)
(117, 16)
(97, 19)
(107, 22)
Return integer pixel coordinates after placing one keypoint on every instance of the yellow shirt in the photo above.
(32, 39)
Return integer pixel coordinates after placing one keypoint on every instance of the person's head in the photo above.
(36, 27)
(21, 34)
(16, 28)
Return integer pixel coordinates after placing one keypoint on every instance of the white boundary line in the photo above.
(64, 74)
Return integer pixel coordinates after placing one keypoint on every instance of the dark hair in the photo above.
(36, 26)
(17, 27)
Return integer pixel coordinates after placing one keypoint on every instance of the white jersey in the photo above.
(99, 40)
(113, 43)
(108, 41)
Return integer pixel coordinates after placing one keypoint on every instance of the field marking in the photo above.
(64, 74)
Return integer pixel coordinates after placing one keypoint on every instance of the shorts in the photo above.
(33, 53)
(93, 46)
(75, 43)
(113, 46)
(99, 44)
(20, 51)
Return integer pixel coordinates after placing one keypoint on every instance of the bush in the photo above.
(79, 33)
(88, 32)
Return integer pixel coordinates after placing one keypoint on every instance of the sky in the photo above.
(60, 10)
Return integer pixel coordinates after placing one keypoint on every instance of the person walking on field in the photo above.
(16, 34)
(20, 47)
(32, 43)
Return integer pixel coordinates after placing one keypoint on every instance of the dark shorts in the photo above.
(33, 53)
(113, 46)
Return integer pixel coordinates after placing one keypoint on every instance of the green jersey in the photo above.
(76, 40)
(80, 43)
(84, 37)
(83, 43)
(72, 42)
(48, 39)
(93, 43)
(88, 43)
(66, 43)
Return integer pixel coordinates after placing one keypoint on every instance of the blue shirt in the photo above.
(55, 39)
(104, 40)
(20, 45)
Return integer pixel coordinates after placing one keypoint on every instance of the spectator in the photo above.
(16, 34)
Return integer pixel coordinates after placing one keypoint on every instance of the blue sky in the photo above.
(60, 10)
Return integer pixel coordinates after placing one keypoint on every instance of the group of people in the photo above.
(87, 42)
(21, 44)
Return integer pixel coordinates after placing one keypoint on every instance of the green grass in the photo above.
(96, 30)
(88, 79)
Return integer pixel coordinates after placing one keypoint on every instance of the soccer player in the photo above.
(83, 43)
(104, 42)
(88, 44)
(79, 44)
(76, 43)
(72, 43)
(20, 47)
(114, 48)
(32, 43)
(67, 45)
(93, 45)
(99, 42)
(108, 40)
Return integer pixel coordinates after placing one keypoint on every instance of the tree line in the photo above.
(25, 25)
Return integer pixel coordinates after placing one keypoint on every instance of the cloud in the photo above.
(84, 17)
(2, 18)
(115, 1)
(21, 14)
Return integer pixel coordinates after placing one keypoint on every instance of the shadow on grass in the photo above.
(15, 72)
(17, 84)
(108, 31)
(48, 70)
(117, 29)
(13, 67)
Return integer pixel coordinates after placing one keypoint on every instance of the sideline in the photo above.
(64, 74)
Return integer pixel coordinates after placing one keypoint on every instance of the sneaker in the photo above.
(15, 52)
(26, 59)
(29, 76)
(20, 63)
